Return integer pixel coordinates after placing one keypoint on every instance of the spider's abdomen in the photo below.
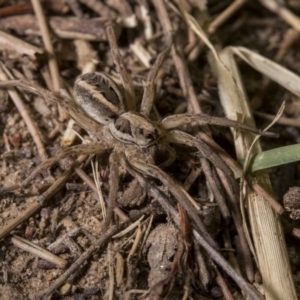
(99, 96)
(133, 128)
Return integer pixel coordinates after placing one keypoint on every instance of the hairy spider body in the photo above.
(99, 96)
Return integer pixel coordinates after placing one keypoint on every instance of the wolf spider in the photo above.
(133, 139)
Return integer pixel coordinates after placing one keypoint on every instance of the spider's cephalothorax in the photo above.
(99, 96)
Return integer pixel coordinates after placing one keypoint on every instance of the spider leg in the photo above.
(75, 112)
(180, 137)
(113, 185)
(125, 77)
(216, 160)
(171, 159)
(229, 183)
(174, 121)
(216, 187)
(79, 149)
(215, 255)
(149, 85)
(175, 188)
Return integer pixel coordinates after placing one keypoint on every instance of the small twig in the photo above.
(11, 43)
(146, 19)
(230, 251)
(213, 183)
(222, 284)
(130, 261)
(123, 217)
(181, 66)
(225, 15)
(148, 96)
(52, 62)
(38, 251)
(215, 255)
(48, 44)
(63, 27)
(111, 271)
(129, 228)
(237, 218)
(238, 169)
(281, 10)
(282, 120)
(219, 260)
(189, 181)
(75, 7)
(100, 8)
(126, 79)
(16, 9)
(32, 128)
(41, 201)
(75, 267)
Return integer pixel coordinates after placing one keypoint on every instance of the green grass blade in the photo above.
(275, 157)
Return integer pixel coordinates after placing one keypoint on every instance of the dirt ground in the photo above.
(58, 244)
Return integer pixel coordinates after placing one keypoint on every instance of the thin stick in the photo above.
(48, 44)
(32, 128)
(215, 255)
(237, 218)
(111, 271)
(76, 113)
(125, 77)
(113, 181)
(38, 251)
(52, 62)
(41, 201)
(225, 15)
(75, 267)
(282, 120)
(219, 196)
(222, 284)
(181, 66)
(238, 169)
(11, 43)
(124, 218)
(149, 86)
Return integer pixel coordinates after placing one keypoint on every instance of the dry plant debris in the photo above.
(116, 204)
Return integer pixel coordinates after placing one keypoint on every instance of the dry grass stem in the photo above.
(41, 201)
(52, 62)
(225, 15)
(220, 261)
(288, 16)
(129, 228)
(75, 267)
(48, 44)
(38, 251)
(63, 27)
(125, 78)
(263, 220)
(9, 42)
(110, 255)
(26, 117)
(282, 120)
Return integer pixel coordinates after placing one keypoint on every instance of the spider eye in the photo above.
(141, 131)
(149, 136)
